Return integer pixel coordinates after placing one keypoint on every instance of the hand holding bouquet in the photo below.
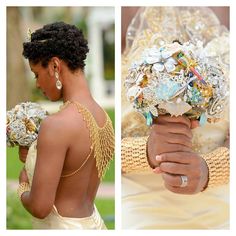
(23, 123)
(177, 79)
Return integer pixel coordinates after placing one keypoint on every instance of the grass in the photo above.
(14, 165)
(111, 114)
(106, 208)
(19, 218)
(110, 174)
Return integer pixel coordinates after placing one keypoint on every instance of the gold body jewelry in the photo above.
(134, 155)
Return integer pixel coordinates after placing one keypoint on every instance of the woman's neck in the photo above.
(75, 87)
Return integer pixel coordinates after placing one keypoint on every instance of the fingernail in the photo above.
(157, 170)
(158, 158)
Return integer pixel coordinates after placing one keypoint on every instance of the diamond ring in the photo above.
(184, 181)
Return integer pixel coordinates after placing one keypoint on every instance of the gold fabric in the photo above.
(218, 165)
(146, 204)
(134, 155)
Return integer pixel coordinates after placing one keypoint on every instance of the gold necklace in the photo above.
(102, 138)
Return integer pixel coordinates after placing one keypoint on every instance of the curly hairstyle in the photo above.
(57, 39)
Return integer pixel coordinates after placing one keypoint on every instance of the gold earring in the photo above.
(58, 82)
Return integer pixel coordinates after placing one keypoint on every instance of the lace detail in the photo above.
(102, 138)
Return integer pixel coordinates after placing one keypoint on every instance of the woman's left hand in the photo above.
(191, 166)
(23, 176)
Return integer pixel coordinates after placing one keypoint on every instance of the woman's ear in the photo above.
(54, 65)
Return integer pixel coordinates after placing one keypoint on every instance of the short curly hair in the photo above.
(57, 39)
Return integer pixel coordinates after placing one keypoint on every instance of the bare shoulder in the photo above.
(63, 122)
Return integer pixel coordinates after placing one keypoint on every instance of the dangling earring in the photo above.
(58, 82)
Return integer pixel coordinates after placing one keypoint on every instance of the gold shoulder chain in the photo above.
(102, 138)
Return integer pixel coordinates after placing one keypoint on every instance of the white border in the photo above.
(232, 118)
(2, 120)
(117, 4)
(118, 117)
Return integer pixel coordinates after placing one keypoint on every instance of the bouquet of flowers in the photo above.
(177, 79)
(23, 122)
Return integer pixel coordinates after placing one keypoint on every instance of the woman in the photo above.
(64, 166)
(175, 175)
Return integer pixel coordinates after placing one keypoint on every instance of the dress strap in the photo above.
(76, 171)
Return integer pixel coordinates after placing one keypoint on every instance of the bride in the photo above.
(64, 166)
(176, 174)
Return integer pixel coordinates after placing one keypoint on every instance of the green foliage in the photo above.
(109, 54)
(17, 216)
(14, 165)
(111, 113)
(106, 208)
(110, 174)
(37, 95)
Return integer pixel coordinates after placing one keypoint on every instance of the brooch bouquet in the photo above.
(23, 123)
(177, 79)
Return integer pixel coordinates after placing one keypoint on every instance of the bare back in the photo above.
(79, 181)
